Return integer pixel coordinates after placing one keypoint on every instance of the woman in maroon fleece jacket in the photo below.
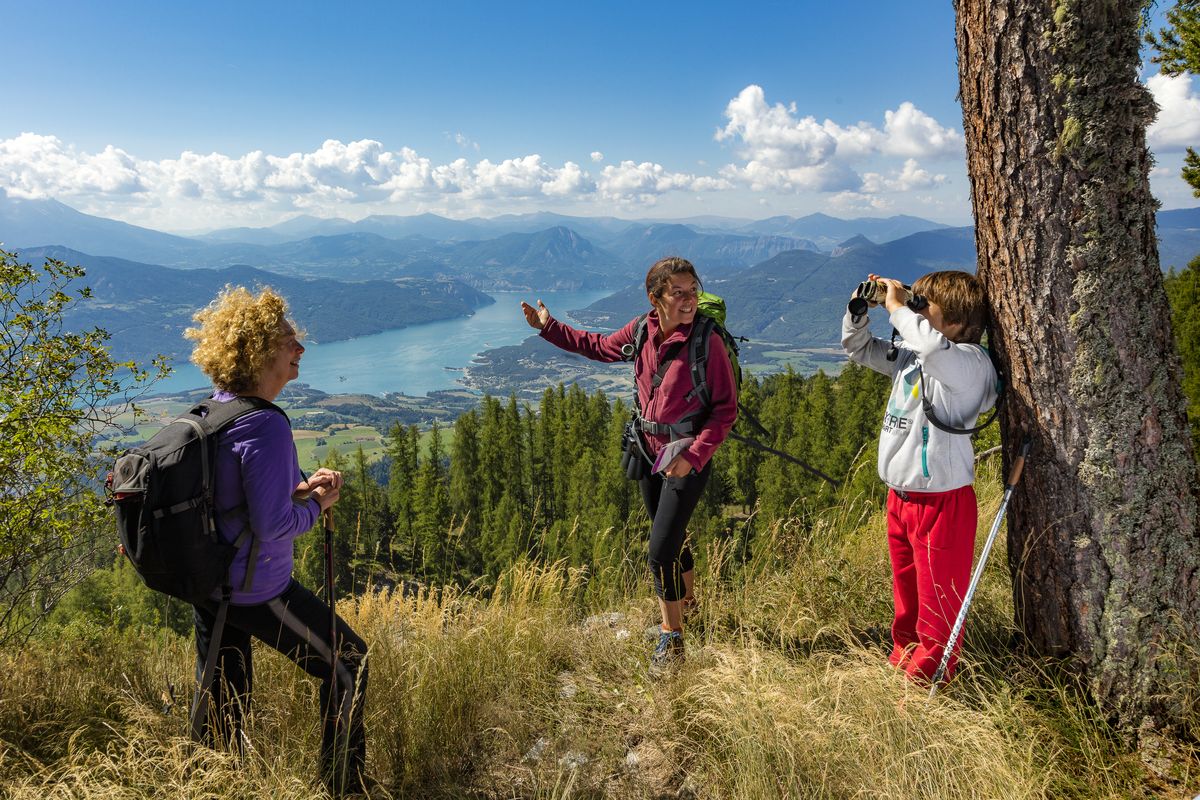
(672, 287)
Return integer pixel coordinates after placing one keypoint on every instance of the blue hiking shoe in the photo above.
(668, 652)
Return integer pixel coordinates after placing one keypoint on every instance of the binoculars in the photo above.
(876, 292)
(633, 458)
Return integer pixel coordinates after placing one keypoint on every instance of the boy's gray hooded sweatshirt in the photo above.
(961, 382)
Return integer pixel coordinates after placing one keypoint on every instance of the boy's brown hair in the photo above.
(961, 298)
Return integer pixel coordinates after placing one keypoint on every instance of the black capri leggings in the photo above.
(296, 624)
(670, 502)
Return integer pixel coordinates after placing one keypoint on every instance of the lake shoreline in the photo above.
(412, 361)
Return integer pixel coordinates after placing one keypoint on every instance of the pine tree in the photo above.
(1183, 291)
(373, 526)
(402, 447)
(465, 480)
(433, 513)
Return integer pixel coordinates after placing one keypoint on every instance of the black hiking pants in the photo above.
(670, 502)
(296, 623)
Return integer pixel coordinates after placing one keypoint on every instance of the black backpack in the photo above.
(163, 495)
(167, 519)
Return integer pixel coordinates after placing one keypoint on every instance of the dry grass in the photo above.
(542, 691)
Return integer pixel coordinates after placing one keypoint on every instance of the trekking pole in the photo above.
(757, 445)
(746, 414)
(1013, 476)
(327, 517)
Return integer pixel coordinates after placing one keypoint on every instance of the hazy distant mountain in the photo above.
(557, 258)
(704, 223)
(34, 223)
(827, 231)
(390, 226)
(596, 229)
(345, 256)
(430, 226)
(301, 227)
(715, 253)
(798, 297)
(1178, 237)
(146, 307)
(427, 244)
(854, 241)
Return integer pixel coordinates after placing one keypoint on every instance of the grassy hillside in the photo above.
(541, 690)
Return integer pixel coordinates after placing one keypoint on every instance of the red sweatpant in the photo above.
(931, 539)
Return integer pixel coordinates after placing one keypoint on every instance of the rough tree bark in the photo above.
(1103, 539)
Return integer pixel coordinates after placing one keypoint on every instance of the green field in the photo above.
(314, 446)
(314, 442)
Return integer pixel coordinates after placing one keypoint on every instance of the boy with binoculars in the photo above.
(942, 380)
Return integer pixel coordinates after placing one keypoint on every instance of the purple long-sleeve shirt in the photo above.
(257, 468)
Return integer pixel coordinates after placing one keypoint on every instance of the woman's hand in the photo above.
(325, 485)
(326, 496)
(325, 477)
(536, 317)
(679, 467)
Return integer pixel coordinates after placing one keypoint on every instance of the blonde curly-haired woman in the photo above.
(249, 348)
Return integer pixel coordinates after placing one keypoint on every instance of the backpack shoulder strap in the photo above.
(930, 414)
(698, 358)
(218, 416)
(630, 351)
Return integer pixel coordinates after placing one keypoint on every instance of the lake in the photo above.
(411, 360)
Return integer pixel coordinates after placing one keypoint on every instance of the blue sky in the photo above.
(220, 114)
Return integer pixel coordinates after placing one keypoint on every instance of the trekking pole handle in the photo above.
(1014, 474)
(327, 519)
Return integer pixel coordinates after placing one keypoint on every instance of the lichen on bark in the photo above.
(1102, 533)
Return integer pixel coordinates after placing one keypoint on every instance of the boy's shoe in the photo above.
(668, 653)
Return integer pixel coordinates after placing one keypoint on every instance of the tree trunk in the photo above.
(1103, 542)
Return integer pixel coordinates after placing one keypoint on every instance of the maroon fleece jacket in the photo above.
(669, 402)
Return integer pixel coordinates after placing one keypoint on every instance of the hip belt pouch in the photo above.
(634, 461)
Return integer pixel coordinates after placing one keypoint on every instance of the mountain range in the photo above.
(531, 251)
(146, 307)
(798, 297)
(784, 278)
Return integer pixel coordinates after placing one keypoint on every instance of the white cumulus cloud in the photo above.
(42, 166)
(782, 150)
(909, 131)
(1178, 123)
(832, 176)
(597, 156)
(911, 176)
(632, 182)
(335, 173)
(859, 202)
